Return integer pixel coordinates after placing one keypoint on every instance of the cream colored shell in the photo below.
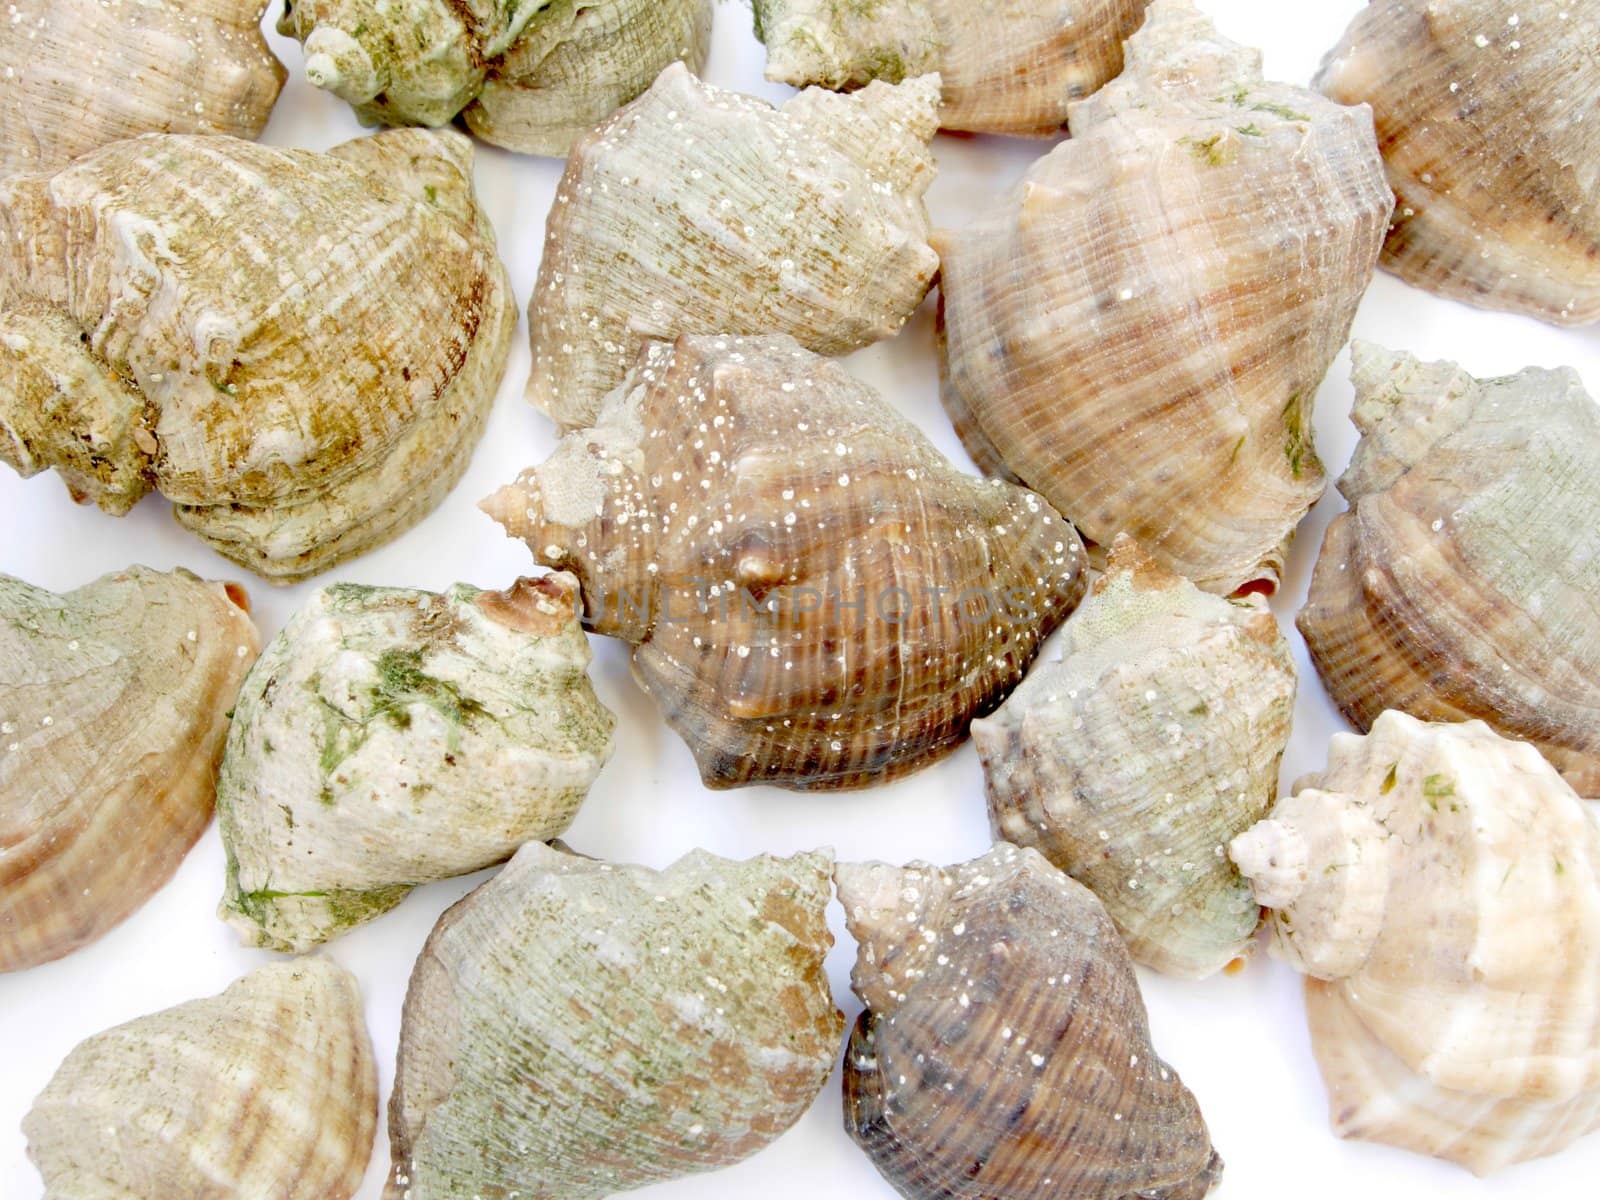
(1440, 885)
(114, 703)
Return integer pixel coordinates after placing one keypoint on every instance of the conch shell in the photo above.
(114, 705)
(298, 349)
(1139, 332)
(76, 75)
(1004, 1053)
(575, 1029)
(1463, 581)
(1489, 119)
(530, 76)
(389, 737)
(815, 597)
(1134, 758)
(266, 1090)
(695, 210)
(1011, 67)
(1440, 885)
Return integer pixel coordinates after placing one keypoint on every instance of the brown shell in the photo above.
(816, 597)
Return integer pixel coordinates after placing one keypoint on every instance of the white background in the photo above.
(1239, 1042)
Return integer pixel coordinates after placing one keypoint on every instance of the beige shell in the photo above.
(114, 705)
(1462, 582)
(298, 349)
(695, 210)
(76, 75)
(815, 597)
(1149, 742)
(1489, 118)
(389, 737)
(1009, 67)
(1440, 885)
(575, 1029)
(531, 75)
(1004, 1053)
(1139, 331)
(268, 1089)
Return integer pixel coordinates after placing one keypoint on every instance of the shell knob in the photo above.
(337, 63)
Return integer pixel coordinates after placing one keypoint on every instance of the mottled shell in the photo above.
(76, 75)
(113, 710)
(298, 349)
(1462, 582)
(575, 1029)
(530, 76)
(816, 598)
(1441, 887)
(1489, 118)
(389, 737)
(1149, 743)
(1009, 67)
(1004, 1053)
(1139, 332)
(268, 1089)
(695, 210)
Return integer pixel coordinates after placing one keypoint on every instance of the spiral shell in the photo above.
(1489, 119)
(1440, 885)
(815, 597)
(575, 1029)
(266, 1090)
(298, 349)
(76, 75)
(1004, 1053)
(695, 210)
(114, 705)
(532, 75)
(1139, 332)
(1009, 67)
(1149, 743)
(389, 737)
(1458, 585)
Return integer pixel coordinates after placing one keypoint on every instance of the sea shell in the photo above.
(1139, 332)
(815, 597)
(575, 1029)
(1004, 1053)
(298, 349)
(266, 1090)
(1440, 885)
(1134, 758)
(76, 75)
(1012, 67)
(389, 737)
(1489, 119)
(695, 210)
(529, 76)
(1462, 582)
(114, 705)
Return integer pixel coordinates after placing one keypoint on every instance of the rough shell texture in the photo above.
(297, 349)
(1138, 333)
(268, 1089)
(1008, 67)
(389, 737)
(575, 1029)
(696, 210)
(529, 76)
(76, 75)
(1134, 758)
(1004, 1053)
(1463, 581)
(113, 711)
(816, 598)
(1441, 886)
(1489, 119)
